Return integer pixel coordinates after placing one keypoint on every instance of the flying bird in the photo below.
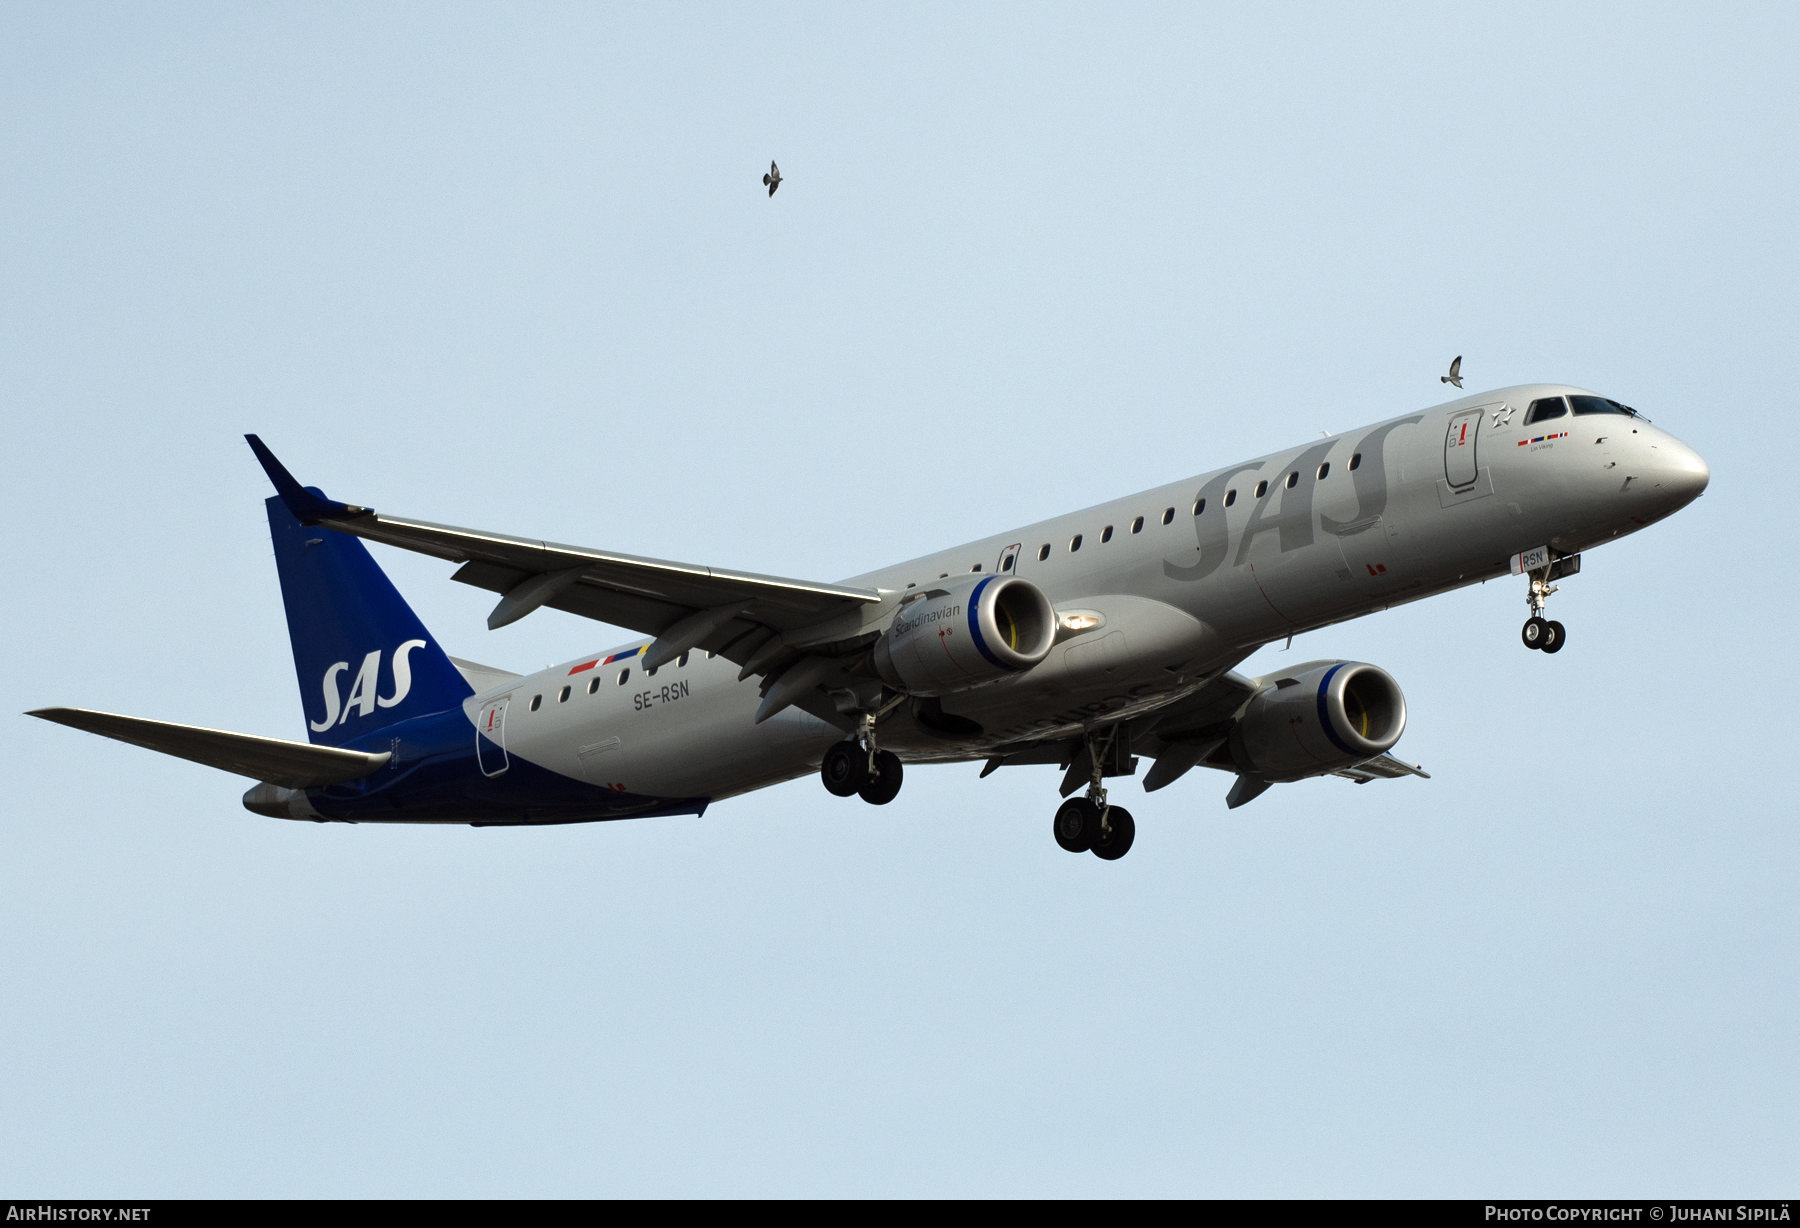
(1455, 376)
(773, 178)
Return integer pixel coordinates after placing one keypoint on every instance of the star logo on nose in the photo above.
(1503, 415)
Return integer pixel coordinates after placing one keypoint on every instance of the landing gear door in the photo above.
(1009, 559)
(490, 737)
(1459, 448)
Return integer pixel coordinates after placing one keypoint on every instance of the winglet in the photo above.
(307, 503)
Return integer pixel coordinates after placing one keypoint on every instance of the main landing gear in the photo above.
(857, 766)
(1546, 635)
(1089, 825)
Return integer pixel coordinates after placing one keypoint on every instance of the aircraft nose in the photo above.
(1670, 473)
(1685, 474)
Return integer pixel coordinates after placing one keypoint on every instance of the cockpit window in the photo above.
(1600, 405)
(1548, 407)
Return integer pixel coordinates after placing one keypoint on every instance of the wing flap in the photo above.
(294, 765)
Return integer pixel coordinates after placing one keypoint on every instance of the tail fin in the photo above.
(363, 657)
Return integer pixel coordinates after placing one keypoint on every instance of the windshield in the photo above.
(1600, 405)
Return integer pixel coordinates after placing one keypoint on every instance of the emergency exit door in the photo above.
(490, 737)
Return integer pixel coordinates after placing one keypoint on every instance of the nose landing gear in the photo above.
(1545, 635)
(1088, 825)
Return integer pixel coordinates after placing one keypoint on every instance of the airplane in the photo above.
(1090, 641)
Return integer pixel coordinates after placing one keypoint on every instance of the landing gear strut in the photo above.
(1541, 633)
(1087, 824)
(858, 766)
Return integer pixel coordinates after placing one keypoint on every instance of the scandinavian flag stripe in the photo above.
(629, 653)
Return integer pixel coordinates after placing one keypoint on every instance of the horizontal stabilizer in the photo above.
(295, 765)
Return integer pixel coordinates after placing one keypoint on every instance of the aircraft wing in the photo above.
(295, 765)
(684, 605)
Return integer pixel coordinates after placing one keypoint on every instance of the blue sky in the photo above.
(518, 271)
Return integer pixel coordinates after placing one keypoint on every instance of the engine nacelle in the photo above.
(1334, 715)
(980, 629)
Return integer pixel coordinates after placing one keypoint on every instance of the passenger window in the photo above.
(1230, 497)
(975, 569)
(1293, 480)
(1075, 543)
(1043, 552)
(650, 670)
(562, 696)
(1199, 506)
(1545, 409)
(1355, 461)
(1137, 526)
(1105, 535)
(537, 701)
(1262, 488)
(623, 675)
(1168, 515)
(593, 685)
(681, 661)
(1006, 563)
(1324, 471)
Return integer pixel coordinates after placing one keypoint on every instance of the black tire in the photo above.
(1533, 632)
(1114, 845)
(1554, 637)
(886, 785)
(845, 770)
(1077, 823)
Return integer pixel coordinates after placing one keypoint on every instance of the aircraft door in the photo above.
(1459, 448)
(490, 737)
(1009, 559)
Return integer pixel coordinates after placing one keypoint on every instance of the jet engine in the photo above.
(1331, 716)
(975, 631)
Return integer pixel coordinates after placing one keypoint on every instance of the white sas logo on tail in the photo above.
(363, 698)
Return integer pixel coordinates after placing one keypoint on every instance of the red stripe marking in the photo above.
(579, 668)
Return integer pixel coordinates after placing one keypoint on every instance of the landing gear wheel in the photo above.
(1554, 637)
(1114, 844)
(885, 786)
(1077, 823)
(1534, 632)
(845, 770)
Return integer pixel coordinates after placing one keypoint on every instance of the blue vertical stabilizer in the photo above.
(364, 659)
